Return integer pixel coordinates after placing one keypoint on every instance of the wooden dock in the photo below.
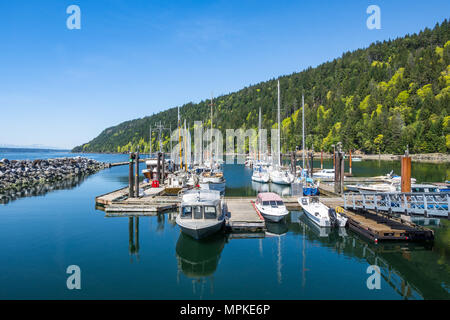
(379, 227)
(244, 216)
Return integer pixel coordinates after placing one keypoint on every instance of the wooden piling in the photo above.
(350, 161)
(321, 160)
(406, 173)
(136, 175)
(131, 176)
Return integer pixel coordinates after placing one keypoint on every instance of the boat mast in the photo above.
(279, 132)
(150, 140)
(179, 138)
(210, 141)
(185, 146)
(259, 133)
(303, 132)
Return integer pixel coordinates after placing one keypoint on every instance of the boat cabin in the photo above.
(269, 199)
(201, 205)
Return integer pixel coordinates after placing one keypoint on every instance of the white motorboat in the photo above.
(324, 174)
(271, 206)
(374, 188)
(320, 214)
(202, 213)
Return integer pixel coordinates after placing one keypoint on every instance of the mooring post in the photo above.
(321, 159)
(350, 162)
(163, 160)
(406, 172)
(131, 176)
(136, 176)
(311, 157)
(158, 167)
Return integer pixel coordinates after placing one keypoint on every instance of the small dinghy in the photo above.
(271, 206)
(202, 213)
(320, 214)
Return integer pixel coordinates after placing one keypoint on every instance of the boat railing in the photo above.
(426, 203)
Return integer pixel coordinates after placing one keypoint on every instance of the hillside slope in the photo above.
(379, 99)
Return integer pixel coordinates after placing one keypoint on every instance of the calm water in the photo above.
(148, 257)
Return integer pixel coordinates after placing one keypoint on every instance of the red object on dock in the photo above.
(155, 184)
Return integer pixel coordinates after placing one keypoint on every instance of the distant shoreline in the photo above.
(420, 157)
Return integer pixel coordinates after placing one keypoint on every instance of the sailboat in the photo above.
(277, 174)
(260, 173)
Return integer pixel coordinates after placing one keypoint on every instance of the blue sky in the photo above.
(61, 87)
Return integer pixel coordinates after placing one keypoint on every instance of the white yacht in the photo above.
(271, 206)
(260, 174)
(324, 174)
(320, 214)
(202, 213)
(283, 177)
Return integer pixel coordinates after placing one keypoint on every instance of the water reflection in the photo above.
(406, 267)
(41, 189)
(133, 237)
(198, 260)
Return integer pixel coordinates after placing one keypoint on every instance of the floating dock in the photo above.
(244, 216)
(245, 220)
(379, 227)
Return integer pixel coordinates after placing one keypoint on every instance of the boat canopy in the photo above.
(269, 196)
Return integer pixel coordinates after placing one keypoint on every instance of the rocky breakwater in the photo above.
(18, 175)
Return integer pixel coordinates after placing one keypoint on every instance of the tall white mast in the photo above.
(303, 130)
(210, 141)
(279, 132)
(259, 133)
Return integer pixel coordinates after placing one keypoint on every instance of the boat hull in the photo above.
(272, 216)
(201, 232)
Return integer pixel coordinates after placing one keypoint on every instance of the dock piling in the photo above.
(130, 176)
(136, 176)
(406, 172)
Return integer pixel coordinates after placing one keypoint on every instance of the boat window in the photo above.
(273, 203)
(198, 212)
(266, 203)
(280, 203)
(210, 213)
(186, 213)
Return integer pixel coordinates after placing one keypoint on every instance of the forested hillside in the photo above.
(379, 99)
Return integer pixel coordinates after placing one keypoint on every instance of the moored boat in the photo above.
(320, 214)
(202, 213)
(271, 206)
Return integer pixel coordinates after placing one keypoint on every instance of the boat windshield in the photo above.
(210, 212)
(273, 203)
(198, 212)
(280, 203)
(186, 213)
(266, 203)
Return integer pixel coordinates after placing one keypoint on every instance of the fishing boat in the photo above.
(202, 213)
(271, 206)
(320, 214)
(324, 174)
(260, 174)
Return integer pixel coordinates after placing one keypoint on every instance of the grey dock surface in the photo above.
(243, 216)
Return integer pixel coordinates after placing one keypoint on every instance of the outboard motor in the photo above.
(333, 218)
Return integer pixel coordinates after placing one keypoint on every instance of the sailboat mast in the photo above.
(259, 133)
(150, 140)
(185, 146)
(279, 132)
(303, 130)
(179, 138)
(210, 141)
